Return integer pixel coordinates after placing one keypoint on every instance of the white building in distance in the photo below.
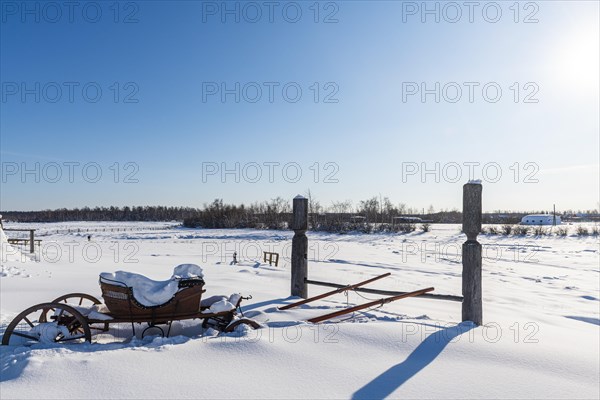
(540, 219)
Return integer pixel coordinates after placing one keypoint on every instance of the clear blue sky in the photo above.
(168, 56)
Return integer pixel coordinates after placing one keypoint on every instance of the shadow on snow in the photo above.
(425, 353)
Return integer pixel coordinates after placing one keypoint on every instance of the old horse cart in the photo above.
(128, 298)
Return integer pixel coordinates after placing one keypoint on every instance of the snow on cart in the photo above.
(128, 298)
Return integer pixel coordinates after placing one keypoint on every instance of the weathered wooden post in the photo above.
(300, 247)
(472, 306)
(31, 242)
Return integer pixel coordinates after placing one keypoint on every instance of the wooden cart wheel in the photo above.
(80, 299)
(47, 323)
(245, 321)
(84, 300)
(153, 328)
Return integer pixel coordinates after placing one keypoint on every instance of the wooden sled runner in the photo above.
(373, 303)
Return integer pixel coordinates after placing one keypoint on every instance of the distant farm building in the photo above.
(540, 219)
(358, 218)
(410, 220)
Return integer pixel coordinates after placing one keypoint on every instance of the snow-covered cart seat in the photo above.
(127, 294)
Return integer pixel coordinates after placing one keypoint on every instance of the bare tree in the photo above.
(314, 209)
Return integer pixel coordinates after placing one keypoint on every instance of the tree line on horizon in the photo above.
(375, 213)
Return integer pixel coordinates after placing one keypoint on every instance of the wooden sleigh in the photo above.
(64, 320)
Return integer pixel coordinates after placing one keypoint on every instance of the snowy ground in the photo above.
(541, 310)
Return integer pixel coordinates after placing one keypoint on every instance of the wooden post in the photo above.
(300, 247)
(472, 306)
(31, 242)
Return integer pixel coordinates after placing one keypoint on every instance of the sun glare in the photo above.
(577, 58)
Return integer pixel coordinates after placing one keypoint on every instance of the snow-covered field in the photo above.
(541, 310)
